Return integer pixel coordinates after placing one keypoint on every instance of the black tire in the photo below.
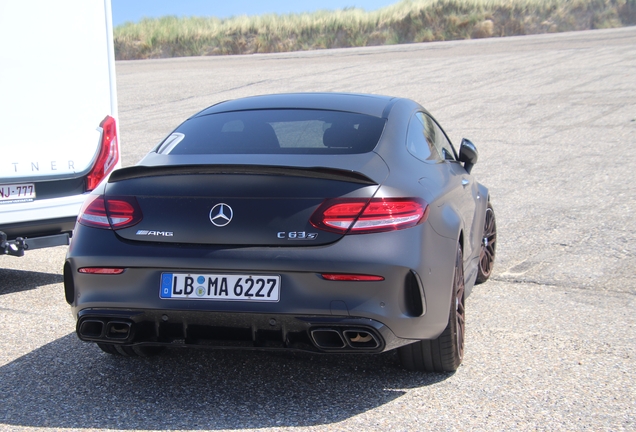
(130, 351)
(445, 353)
(488, 246)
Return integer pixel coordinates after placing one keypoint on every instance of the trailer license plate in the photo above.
(17, 193)
(190, 286)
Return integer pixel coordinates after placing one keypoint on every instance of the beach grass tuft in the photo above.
(407, 21)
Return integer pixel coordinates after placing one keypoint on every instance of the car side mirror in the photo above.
(468, 154)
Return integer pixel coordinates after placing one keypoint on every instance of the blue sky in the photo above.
(134, 10)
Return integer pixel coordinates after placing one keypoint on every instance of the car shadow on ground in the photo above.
(12, 281)
(72, 384)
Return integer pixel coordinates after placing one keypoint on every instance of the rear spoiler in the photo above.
(140, 171)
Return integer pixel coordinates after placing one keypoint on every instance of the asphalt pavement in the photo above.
(551, 338)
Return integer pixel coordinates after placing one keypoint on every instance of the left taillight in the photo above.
(108, 154)
(358, 216)
(110, 212)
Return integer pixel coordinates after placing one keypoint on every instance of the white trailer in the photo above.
(58, 116)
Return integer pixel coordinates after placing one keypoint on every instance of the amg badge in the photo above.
(155, 233)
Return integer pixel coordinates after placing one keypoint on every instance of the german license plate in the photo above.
(190, 286)
(17, 193)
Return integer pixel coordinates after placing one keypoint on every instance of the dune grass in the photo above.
(404, 22)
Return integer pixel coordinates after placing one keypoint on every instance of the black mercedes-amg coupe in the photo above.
(334, 223)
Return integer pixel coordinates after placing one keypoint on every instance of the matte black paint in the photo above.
(172, 194)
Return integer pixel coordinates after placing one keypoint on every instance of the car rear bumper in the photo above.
(412, 301)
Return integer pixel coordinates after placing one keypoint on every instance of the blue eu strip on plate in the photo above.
(166, 285)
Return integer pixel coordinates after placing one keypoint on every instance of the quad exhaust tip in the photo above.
(335, 339)
(328, 339)
(325, 338)
(361, 339)
(105, 329)
(118, 330)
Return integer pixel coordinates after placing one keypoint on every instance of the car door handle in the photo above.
(465, 182)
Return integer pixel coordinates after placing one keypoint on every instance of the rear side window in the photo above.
(442, 144)
(276, 132)
(426, 140)
(419, 140)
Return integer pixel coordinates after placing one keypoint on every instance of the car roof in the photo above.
(374, 105)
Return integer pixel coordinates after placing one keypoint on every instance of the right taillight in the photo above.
(358, 216)
(110, 212)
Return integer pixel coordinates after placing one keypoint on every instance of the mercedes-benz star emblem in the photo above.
(221, 214)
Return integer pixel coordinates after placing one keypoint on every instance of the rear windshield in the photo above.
(275, 132)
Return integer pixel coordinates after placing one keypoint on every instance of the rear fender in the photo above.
(446, 221)
(472, 262)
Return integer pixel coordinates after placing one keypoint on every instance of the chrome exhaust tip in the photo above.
(104, 329)
(118, 330)
(361, 339)
(327, 339)
(91, 329)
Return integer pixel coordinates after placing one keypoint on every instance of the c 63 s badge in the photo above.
(297, 235)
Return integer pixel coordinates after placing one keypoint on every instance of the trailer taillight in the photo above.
(108, 154)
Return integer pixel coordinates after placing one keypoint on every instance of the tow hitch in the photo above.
(19, 245)
(14, 248)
